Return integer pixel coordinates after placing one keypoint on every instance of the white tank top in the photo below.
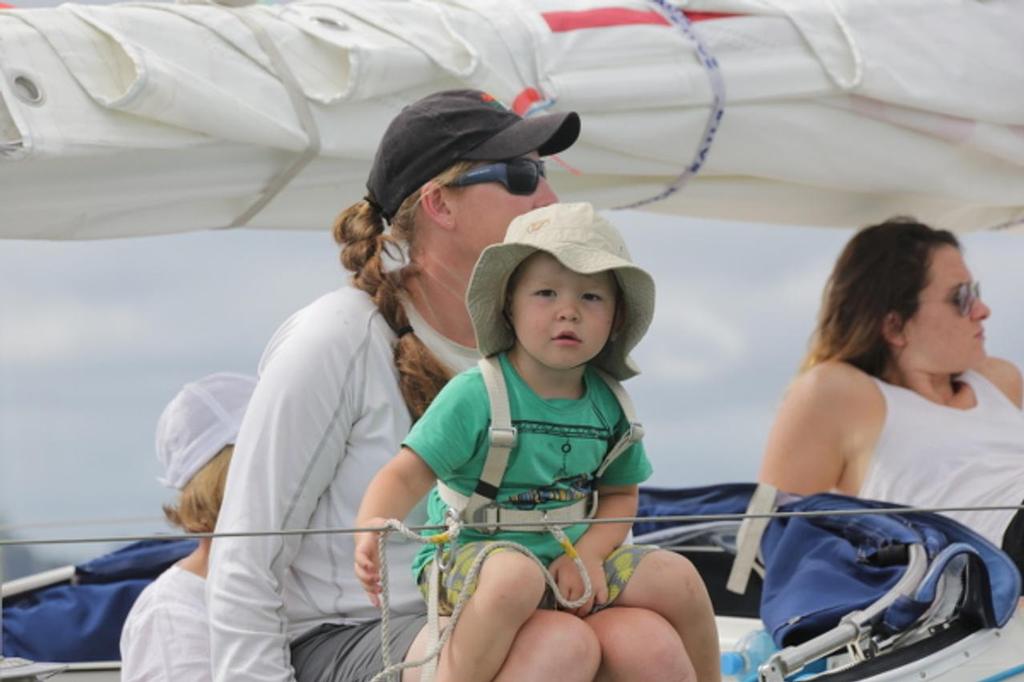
(931, 455)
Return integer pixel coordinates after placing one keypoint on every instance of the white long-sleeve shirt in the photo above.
(165, 637)
(327, 413)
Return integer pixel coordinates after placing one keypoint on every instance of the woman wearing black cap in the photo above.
(340, 384)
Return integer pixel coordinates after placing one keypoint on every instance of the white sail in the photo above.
(146, 118)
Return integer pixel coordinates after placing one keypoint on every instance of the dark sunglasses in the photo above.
(965, 296)
(520, 176)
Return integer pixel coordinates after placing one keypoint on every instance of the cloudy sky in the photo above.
(96, 337)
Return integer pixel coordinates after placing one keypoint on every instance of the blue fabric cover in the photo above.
(66, 623)
(146, 559)
(818, 569)
(724, 498)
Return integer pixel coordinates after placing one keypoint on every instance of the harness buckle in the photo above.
(635, 433)
(503, 437)
(490, 515)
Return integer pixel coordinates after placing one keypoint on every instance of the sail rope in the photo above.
(714, 73)
(675, 518)
(845, 84)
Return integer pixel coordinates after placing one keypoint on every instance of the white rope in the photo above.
(450, 537)
(858, 59)
(857, 77)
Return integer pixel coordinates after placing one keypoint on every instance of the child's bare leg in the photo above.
(657, 656)
(508, 591)
(668, 584)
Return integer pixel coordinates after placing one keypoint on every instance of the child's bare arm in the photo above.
(392, 493)
(614, 501)
(596, 544)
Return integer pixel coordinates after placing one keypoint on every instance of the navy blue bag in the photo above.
(818, 569)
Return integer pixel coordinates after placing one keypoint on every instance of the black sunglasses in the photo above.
(519, 176)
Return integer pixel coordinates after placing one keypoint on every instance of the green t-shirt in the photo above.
(560, 445)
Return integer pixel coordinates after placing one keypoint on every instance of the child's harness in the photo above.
(482, 505)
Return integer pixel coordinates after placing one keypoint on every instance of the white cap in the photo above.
(197, 424)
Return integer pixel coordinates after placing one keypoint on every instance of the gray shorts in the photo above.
(351, 653)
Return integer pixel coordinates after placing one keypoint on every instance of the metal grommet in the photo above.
(26, 89)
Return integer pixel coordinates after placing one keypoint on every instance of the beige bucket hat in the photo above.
(582, 241)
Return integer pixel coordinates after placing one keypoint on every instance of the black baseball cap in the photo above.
(431, 134)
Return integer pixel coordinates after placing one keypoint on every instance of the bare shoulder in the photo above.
(1006, 376)
(824, 430)
(837, 384)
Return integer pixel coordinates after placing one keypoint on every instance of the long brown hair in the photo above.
(882, 270)
(359, 230)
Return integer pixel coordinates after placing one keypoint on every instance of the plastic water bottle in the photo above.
(750, 653)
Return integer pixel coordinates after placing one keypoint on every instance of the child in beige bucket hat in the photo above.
(556, 307)
(582, 242)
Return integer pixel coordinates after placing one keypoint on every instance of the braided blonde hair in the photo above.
(359, 230)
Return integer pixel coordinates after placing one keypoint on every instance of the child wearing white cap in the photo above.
(556, 308)
(166, 635)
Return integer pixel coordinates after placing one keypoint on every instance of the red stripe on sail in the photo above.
(560, 22)
(704, 16)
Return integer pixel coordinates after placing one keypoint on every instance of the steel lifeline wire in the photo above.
(675, 518)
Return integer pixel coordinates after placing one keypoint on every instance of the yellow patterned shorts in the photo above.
(618, 569)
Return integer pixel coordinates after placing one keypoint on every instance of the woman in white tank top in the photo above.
(897, 399)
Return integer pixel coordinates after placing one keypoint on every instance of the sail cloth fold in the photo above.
(149, 118)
